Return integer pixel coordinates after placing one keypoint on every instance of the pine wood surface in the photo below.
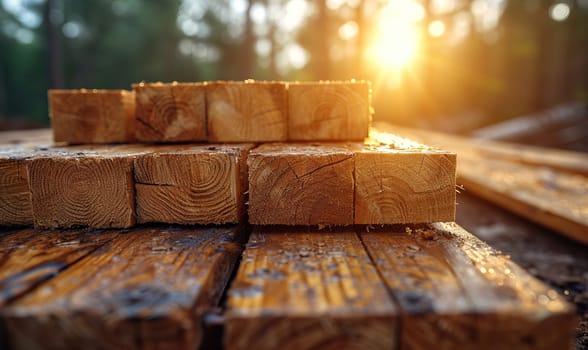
(15, 196)
(448, 290)
(91, 116)
(301, 184)
(455, 292)
(329, 111)
(399, 181)
(144, 288)
(249, 111)
(29, 257)
(568, 161)
(197, 184)
(551, 198)
(86, 189)
(170, 112)
(304, 289)
(295, 183)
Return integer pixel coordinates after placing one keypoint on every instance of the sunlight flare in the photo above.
(395, 44)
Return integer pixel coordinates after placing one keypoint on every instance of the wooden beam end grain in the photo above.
(91, 116)
(301, 184)
(329, 111)
(170, 112)
(192, 184)
(403, 183)
(249, 111)
(82, 189)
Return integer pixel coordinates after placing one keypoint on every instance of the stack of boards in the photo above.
(286, 154)
(297, 153)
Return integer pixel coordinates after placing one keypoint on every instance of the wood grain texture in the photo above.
(29, 257)
(145, 289)
(301, 184)
(249, 111)
(554, 199)
(91, 116)
(15, 196)
(304, 289)
(170, 112)
(82, 189)
(455, 292)
(399, 181)
(329, 111)
(198, 184)
(561, 160)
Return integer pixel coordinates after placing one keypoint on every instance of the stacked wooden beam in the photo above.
(248, 111)
(338, 177)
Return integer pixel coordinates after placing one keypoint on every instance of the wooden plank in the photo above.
(15, 197)
(399, 181)
(147, 288)
(301, 184)
(554, 199)
(85, 188)
(170, 112)
(196, 184)
(304, 289)
(91, 116)
(22, 137)
(29, 257)
(554, 127)
(249, 111)
(572, 162)
(329, 111)
(455, 292)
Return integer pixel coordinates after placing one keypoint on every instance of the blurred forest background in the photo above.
(447, 64)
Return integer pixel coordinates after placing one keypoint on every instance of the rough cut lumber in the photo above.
(15, 195)
(201, 184)
(86, 188)
(455, 292)
(301, 184)
(304, 289)
(145, 289)
(170, 112)
(30, 257)
(249, 111)
(91, 116)
(329, 111)
(554, 199)
(400, 181)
